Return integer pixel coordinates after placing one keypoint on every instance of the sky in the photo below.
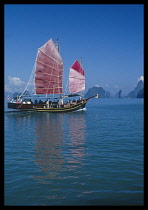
(108, 37)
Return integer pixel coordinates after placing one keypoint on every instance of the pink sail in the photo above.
(76, 78)
(48, 70)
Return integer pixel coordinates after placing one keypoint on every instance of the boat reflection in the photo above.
(60, 142)
(49, 135)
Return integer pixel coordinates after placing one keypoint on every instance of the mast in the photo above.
(81, 66)
(81, 62)
(58, 45)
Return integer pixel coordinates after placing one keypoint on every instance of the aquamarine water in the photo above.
(92, 157)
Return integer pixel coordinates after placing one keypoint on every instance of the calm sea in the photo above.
(92, 157)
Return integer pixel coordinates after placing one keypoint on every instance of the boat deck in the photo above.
(72, 107)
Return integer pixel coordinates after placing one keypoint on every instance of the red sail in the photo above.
(48, 70)
(76, 78)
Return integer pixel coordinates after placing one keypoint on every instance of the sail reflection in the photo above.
(48, 149)
(77, 136)
(60, 142)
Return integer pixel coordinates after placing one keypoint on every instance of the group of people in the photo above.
(50, 104)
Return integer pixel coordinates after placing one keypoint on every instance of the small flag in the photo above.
(8, 97)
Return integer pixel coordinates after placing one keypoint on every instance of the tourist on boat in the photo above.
(60, 102)
(40, 102)
(18, 100)
(47, 103)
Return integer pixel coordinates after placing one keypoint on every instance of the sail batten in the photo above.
(48, 56)
(47, 65)
(48, 70)
(76, 78)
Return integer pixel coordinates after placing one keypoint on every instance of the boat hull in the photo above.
(20, 106)
(43, 108)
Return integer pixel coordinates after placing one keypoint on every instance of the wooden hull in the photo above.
(43, 108)
(20, 106)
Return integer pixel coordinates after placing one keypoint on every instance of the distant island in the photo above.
(97, 90)
(119, 94)
(141, 93)
(138, 92)
(16, 94)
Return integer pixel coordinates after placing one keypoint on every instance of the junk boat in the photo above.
(48, 84)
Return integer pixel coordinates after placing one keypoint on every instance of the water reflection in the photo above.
(49, 135)
(60, 142)
(57, 142)
(76, 139)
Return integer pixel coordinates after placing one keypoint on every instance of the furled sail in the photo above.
(76, 78)
(48, 70)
